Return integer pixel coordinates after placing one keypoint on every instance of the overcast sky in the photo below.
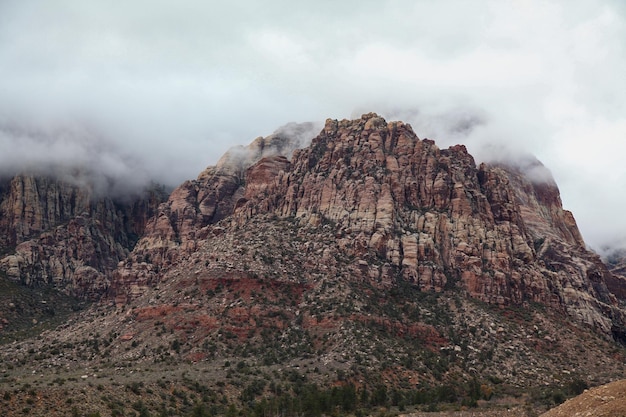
(161, 89)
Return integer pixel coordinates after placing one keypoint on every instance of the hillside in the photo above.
(367, 269)
(605, 401)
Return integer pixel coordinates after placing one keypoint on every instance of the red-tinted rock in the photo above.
(428, 215)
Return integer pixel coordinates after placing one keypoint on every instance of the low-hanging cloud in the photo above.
(169, 88)
(71, 154)
(284, 141)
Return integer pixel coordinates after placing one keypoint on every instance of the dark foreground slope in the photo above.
(369, 269)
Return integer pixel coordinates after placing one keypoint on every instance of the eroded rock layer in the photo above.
(57, 233)
(401, 208)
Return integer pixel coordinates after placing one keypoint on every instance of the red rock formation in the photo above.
(180, 223)
(399, 205)
(53, 232)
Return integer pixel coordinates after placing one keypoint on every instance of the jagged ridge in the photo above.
(431, 214)
(56, 233)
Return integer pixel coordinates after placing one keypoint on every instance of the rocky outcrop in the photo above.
(441, 219)
(402, 209)
(31, 205)
(615, 260)
(180, 223)
(57, 233)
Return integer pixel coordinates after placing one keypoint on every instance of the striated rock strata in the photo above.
(181, 222)
(56, 233)
(401, 210)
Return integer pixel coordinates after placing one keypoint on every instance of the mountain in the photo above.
(368, 268)
(403, 209)
(56, 233)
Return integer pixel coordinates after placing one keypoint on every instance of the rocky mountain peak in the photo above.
(401, 208)
(284, 141)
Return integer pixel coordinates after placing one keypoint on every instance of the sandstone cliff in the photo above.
(180, 223)
(56, 233)
(401, 208)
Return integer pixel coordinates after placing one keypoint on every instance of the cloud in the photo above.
(73, 154)
(284, 141)
(171, 87)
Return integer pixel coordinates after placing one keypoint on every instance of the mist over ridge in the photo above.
(172, 88)
(82, 156)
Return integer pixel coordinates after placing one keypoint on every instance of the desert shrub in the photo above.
(576, 386)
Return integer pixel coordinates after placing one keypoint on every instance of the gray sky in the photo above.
(161, 89)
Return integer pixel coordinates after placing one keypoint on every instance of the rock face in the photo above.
(182, 221)
(379, 207)
(59, 234)
(404, 209)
